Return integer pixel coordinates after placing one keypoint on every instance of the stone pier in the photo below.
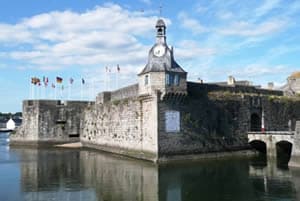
(295, 157)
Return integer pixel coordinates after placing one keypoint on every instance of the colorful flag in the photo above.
(71, 80)
(35, 81)
(45, 81)
(83, 81)
(59, 80)
(118, 68)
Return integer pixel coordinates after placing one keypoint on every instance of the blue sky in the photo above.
(257, 40)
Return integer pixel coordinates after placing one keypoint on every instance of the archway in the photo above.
(283, 150)
(255, 122)
(259, 146)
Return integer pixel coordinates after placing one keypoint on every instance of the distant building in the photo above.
(292, 87)
(10, 124)
(232, 82)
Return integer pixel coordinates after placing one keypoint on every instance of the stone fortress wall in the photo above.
(217, 118)
(126, 126)
(49, 122)
(211, 119)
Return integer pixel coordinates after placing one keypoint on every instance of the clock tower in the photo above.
(162, 72)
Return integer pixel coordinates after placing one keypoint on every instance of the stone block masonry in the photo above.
(295, 157)
(127, 126)
(47, 122)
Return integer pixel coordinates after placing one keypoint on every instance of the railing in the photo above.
(271, 133)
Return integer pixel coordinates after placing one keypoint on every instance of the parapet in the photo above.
(103, 97)
(201, 88)
(123, 93)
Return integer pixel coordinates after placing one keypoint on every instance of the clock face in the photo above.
(159, 50)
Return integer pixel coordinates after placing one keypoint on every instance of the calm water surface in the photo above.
(63, 175)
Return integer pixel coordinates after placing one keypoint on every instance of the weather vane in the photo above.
(160, 10)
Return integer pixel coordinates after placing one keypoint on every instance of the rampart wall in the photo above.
(209, 119)
(50, 121)
(127, 126)
(214, 119)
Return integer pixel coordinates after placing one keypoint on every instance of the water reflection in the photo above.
(87, 175)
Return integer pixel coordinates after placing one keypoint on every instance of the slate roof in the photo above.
(160, 23)
(165, 63)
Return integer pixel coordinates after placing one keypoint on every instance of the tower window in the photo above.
(176, 80)
(160, 31)
(169, 79)
(146, 79)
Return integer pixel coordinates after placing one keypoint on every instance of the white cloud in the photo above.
(267, 6)
(188, 49)
(191, 23)
(106, 35)
(243, 28)
(258, 69)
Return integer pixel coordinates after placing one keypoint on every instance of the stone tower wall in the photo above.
(49, 121)
(127, 126)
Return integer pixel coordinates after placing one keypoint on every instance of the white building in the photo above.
(292, 87)
(10, 124)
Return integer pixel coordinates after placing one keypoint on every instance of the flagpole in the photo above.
(61, 93)
(81, 89)
(93, 89)
(116, 79)
(105, 78)
(55, 97)
(30, 90)
(69, 91)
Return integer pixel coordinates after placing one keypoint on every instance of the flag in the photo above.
(59, 80)
(45, 81)
(118, 68)
(35, 81)
(83, 81)
(71, 80)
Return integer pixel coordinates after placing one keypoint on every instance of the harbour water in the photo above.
(84, 175)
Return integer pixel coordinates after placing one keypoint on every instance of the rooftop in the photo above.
(295, 75)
